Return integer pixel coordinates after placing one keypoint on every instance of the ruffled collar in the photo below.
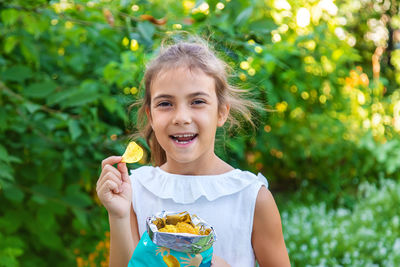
(187, 189)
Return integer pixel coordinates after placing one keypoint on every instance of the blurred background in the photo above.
(330, 149)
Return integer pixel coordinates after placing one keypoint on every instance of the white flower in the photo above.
(396, 246)
(395, 221)
(342, 212)
(314, 254)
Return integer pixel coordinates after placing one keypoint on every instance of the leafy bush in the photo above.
(69, 69)
(367, 235)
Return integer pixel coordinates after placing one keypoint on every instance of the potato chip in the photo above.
(169, 229)
(182, 227)
(133, 153)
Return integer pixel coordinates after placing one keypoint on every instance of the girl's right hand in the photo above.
(114, 187)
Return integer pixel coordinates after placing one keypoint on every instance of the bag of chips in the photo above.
(174, 239)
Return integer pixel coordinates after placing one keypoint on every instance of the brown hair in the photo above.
(193, 54)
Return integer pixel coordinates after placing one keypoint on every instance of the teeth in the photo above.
(181, 142)
(184, 135)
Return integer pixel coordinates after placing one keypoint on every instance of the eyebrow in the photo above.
(190, 95)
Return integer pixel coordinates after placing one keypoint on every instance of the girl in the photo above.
(187, 96)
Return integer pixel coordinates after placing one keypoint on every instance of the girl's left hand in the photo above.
(218, 262)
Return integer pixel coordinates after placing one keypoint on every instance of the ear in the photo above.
(223, 114)
(148, 113)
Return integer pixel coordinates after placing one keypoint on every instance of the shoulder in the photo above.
(257, 179)
(265, 204)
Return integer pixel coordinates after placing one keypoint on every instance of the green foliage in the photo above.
(367, 235)
(70, 70)
(57, 117)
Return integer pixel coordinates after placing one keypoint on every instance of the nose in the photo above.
(182, 116)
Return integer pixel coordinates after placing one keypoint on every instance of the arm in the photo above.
(122, 244)
(267, 237)
(134, 229)
(115, 193)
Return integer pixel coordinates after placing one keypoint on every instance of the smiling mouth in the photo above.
(183, 138)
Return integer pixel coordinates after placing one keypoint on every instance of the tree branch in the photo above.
(11, 93)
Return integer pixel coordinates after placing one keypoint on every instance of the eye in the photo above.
(163, 104)
(198, 102)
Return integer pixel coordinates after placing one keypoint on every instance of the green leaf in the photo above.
(77, 62)
(41, 193)
(31, 107)
(3, 119)
(79, 98)
(30, 51)
(40, 90)
(110, 103)
(3, 153)
(18, 73)
(39, 199)
(31, 24)
(81, 217)
(110, 72)
(198, 3)
(11, 247)
(58, 97)
(11, 220)
(125, 3)
(262, 26)
(146, 30)
(45, 217)
(6, 172)
(14, 159)
(9, 16)
(243, 16)
(10, 43)
(75, 197)
(13, 193)
(74, 129)
(50, 239)
(78, 200)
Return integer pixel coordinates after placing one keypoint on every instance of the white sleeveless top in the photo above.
(225, 201)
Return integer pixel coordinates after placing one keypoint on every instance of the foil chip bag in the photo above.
(174, 239)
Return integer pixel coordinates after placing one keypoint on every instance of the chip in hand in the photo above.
(133, 153)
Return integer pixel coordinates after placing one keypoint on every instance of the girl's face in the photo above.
(184, 114)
